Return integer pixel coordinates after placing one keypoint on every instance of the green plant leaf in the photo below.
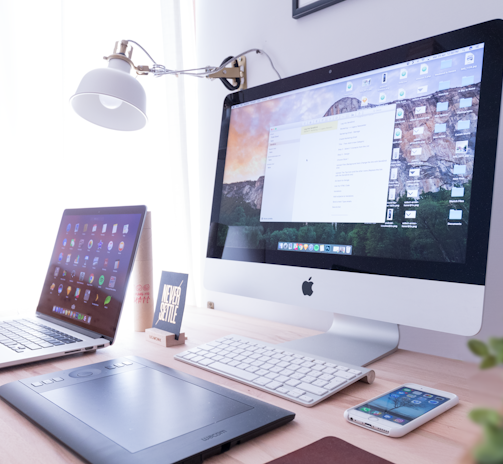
(486, 417)
(479, 348)
(489, 454)
(496, 345)
(488, 361)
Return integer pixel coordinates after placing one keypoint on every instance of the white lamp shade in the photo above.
(116, 82)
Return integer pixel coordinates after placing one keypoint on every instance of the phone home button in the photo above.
(372, 418)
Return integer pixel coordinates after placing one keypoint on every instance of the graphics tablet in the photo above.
(131, 410)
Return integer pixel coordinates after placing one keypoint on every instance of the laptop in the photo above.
(84, 288)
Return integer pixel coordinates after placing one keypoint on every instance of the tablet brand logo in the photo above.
(216, 434)
(307, 287)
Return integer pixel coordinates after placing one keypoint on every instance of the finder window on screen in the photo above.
(378, 164)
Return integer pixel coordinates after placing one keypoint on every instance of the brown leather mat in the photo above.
(330, 450)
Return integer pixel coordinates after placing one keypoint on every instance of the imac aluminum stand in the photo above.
(351, 339)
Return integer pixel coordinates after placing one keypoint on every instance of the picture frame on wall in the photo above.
(302, 8)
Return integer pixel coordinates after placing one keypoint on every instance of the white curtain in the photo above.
(52, 159)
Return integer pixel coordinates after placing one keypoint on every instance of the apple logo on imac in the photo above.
(307, 287)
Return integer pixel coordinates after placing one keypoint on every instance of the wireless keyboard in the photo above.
(289, 374)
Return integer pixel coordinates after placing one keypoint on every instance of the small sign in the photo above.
(170, 302)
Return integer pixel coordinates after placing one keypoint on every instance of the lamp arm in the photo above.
(160, 70)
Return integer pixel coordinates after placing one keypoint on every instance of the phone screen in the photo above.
(402, 405)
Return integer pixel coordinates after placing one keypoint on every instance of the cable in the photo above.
(160, 70)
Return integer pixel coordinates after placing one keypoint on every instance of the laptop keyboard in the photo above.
(23, 335)
(295, 376)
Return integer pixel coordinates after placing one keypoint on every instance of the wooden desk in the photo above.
(443, 440)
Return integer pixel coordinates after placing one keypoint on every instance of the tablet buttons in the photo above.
(37, 384)
(82, 373)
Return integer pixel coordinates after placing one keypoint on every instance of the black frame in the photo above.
(473, 271)
(311, 8)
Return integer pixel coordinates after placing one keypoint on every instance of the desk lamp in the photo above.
(112, 98)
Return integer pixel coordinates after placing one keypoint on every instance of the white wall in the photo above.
(347, 30)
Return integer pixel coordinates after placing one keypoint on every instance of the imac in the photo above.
(366, 189)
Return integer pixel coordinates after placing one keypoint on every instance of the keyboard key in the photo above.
(262, 372)
(252, 369)
(345, 375)
(272, 375)
(306, 398)
(354, 371)
(342, 368)
(276, 369)
(37, 384)
(282, 390)
(308, 379)
(336, 383)
(315, 374)
(312, 389)
(244, 366)
(262, 381)
(318, 367)
(326, 377)
(273, 385)
(295, 393)
(319, 383)
(239, 373)
(329, 370)
(286, 372)
(293, 382)
(281, 378)
(47, 381)
(296, 376)
(57, 379)
(206, 362)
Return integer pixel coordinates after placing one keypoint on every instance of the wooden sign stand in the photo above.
(163, 338)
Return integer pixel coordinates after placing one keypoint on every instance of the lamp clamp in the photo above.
(234, 76)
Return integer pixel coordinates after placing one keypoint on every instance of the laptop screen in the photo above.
(90, 267)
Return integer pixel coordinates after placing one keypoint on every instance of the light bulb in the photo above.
(111, 103)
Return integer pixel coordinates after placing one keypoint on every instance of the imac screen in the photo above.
(369, 172)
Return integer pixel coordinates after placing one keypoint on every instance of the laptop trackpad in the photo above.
(144, 407)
